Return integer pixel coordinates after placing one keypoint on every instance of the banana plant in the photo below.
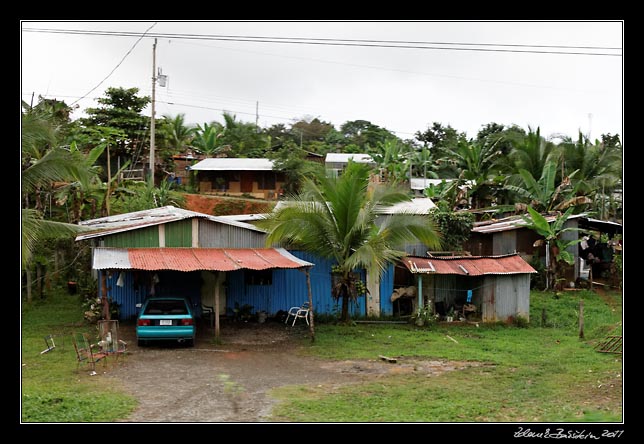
(556, 247)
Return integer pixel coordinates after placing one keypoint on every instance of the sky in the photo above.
(360, 71)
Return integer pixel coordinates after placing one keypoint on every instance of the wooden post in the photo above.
(308, 287)
(106, 305)
(217, 305)
(420, 293)
(543, 317)
(581, 319)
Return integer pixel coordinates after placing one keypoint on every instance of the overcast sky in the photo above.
(401, 89)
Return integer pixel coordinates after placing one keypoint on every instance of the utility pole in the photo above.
(257, 116)
(152, 122)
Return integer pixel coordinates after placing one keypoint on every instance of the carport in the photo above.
(216, 261)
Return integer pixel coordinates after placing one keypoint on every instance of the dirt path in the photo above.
(229, 382)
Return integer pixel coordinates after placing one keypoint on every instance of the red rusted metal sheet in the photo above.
(192, 259)
(468, 265)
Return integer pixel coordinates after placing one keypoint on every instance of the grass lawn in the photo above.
(536, 374)
(539, 373)
(53, 389)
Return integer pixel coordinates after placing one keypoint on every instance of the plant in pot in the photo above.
(449, 317)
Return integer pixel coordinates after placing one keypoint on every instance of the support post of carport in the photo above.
(307, 270)
(420, 293)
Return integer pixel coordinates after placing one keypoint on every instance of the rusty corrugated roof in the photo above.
(468, 265)
(192, 259)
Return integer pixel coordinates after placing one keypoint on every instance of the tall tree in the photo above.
(336, 219)
(504, 137)
(306, 130)
(121, 109)
(244, 138)
(362, 136)
(442, 140)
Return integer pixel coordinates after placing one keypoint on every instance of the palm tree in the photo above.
(476, 163)
(206, 138)
(599, 167)
(530, 154)
(179, 135)
(336, 219)
(42, 166)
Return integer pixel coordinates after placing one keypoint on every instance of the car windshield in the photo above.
(166, 307)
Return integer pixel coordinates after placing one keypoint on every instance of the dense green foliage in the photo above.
(455, 228)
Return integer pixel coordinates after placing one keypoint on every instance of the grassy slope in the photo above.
(53, 389)
(538, 374)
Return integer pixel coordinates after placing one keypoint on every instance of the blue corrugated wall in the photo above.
(171, 283)
(386, 288)
(288, 289)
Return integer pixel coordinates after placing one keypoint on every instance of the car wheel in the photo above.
(142, 342)
(190, 342)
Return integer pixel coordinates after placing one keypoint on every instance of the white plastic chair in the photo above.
(299, 312)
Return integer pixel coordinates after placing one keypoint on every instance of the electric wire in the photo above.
(116, 67)
(481, 47)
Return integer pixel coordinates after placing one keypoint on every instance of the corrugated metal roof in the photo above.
(468, 265)
(516, 222)
(344, 158)
(418, 183)
(244, 217)
(233, 164)
(192, 259)
(155, 216)
(419, 205)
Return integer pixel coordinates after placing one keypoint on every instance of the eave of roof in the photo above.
(468, 265)
(194, 259)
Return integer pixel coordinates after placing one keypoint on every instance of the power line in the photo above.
(117, 65)
(456, 46)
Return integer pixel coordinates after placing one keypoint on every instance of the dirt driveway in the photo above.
(229, 382)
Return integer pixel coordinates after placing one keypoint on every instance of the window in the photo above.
(266, 181)
(166, 306)
(261, 277)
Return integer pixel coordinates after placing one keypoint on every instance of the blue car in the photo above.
(165, 319)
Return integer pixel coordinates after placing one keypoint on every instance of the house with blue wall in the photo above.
(170, 251)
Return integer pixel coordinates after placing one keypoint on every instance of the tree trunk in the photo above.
(344, 316)
(39, 280)
(28, 275)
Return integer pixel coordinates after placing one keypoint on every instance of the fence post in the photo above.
(581, 319)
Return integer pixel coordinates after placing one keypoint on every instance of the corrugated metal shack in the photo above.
(510, 235)
(488, 288)
(154, 252)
